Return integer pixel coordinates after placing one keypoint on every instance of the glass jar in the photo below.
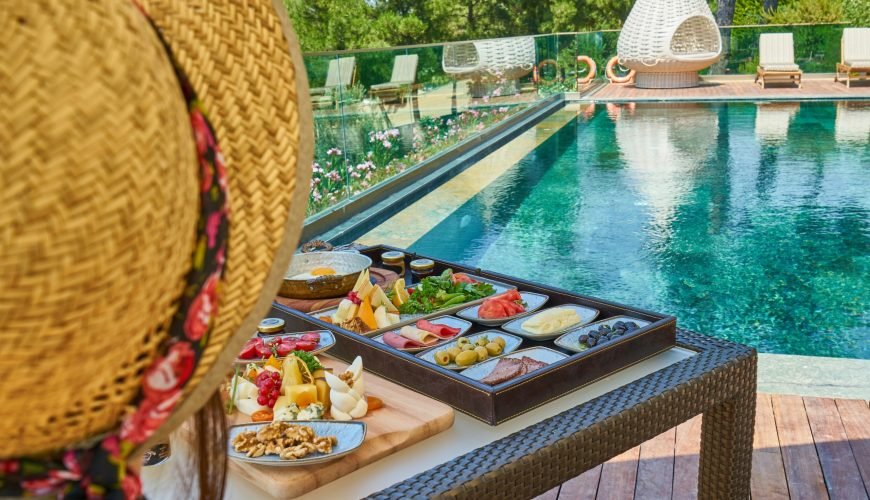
(421, 268)
(394, 261)
(270, 326)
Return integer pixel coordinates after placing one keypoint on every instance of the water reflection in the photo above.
(772, 120)
(852, 124)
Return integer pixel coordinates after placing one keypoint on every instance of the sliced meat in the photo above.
(505, 369)
(532, 364)
(399, 342)
(438, 330)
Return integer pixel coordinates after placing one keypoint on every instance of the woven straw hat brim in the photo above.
(100, 188)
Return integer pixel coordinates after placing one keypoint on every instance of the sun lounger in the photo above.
(340, 74)
(402, 81)
(776, 59)
(854, 54)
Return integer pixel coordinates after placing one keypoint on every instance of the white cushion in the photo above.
(780, 67)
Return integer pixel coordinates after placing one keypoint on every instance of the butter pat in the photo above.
(551, 320)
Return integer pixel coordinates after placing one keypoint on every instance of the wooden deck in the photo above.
(805, 448)
(813, 88)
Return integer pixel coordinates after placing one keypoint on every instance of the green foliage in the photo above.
(806, 11)
(857, 12)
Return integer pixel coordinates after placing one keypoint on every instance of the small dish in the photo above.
(534, 301)
(587, 315)
(327, 340)
(542, 354)
(350, 436)
(571, 340)
(450, 321)
(511, 343)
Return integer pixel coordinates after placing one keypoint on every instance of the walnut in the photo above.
(288, 441)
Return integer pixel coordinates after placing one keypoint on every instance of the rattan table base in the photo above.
(719, 382)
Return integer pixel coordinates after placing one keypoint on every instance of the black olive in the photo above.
(632, 325)
(591, 342)
(618, 324)
(604, 328)
(584, 338)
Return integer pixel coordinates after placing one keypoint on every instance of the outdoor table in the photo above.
(558, 441)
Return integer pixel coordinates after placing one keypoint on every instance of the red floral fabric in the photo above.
(100, 471)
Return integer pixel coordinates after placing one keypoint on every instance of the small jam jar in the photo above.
(394, 261)
(270, 326)
(421, 268)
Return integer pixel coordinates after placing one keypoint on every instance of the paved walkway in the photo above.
(814, 87)
(813, 448)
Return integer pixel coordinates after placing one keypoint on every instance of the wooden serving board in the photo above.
(405, 419)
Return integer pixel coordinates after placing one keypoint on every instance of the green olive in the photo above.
(442, 358)
(453, 352)
(466, 358)
(499, 341)
(462, 340)
(467, 347)
(493, 348)
(482, 354)
(481, 341)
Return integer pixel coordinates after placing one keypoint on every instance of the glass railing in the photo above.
(381, 112)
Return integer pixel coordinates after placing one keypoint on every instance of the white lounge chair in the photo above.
(854, 54)
(668, 41)
(402, 81)
(776, 59)
(340, 74)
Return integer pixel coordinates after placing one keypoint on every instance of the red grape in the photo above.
(261, 400)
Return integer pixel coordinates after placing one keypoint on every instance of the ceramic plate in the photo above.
(587, 314)
(571, 340)
(450, 321)
(542, 354)
(327, 340)
(534, 301)
(511, 343)
(350, 436)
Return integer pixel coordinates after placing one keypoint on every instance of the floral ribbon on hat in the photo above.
(99, 471)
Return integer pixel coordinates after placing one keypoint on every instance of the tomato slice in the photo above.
(249, 351)
(305, 345)
(311, 337)
(285, 348)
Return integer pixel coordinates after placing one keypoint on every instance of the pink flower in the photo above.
(131, 486)
(221, 168)
(202, 308)
(138, 427)
(212, 225)
(387, 144)
(204, 139)
(165, 377)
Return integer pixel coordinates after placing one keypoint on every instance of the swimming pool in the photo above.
(749, 221)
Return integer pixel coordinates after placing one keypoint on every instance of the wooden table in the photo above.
(574, 433)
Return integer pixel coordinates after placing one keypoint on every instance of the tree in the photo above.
(807, 11)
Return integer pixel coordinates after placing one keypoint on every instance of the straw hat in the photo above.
(100, 193)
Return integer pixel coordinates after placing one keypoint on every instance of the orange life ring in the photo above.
(608, 70)
(593, 69)
(541, 70)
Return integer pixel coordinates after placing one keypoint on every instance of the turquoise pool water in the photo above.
(747, 221)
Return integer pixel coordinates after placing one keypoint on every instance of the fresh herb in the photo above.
(439, 292)
(309, 360)
(231, 404)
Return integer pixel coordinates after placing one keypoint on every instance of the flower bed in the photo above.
(339, 173)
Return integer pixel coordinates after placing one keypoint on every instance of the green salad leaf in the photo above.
(440, 292)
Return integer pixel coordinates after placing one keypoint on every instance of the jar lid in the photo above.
(271, 325)
(392, 257)
(422, 265)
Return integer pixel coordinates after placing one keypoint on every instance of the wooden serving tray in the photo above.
(406, 418)
(496, 404)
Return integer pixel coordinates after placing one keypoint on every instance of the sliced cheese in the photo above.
(379, 298)
(303, 394)
(394, 318)
(381, 317)
(414, 333)
(551, 320)
(292, 374)
(367, 315)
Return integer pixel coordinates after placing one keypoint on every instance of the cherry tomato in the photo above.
(263, 351)
(311, 337)
(306, 345)
(285, 348)
(249, 351)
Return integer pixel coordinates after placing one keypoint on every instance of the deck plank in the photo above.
(855, 416)
(618, 476)
(655, 468)
(768, 474)
(842, 477)
(582, 487)
(802, 468)
(552, 494)
(687, 448)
